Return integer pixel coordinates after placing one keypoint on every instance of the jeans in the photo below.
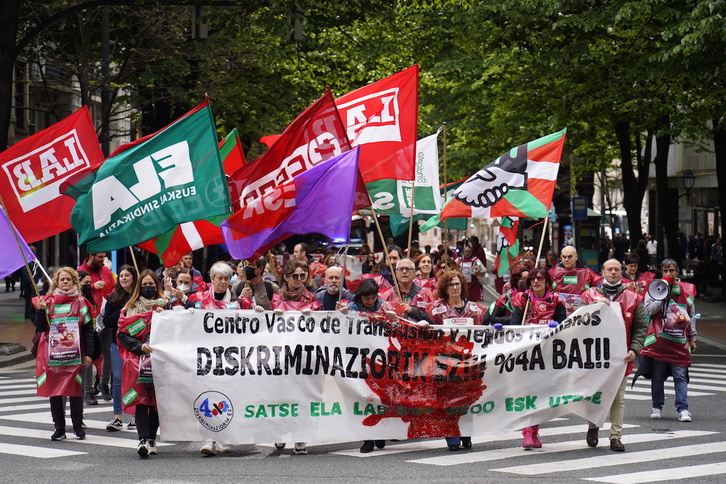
(107, 336)
(680, 379)
(116, 367)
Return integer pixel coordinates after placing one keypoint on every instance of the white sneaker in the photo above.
(152, 447)
(655, 413)
(143, 449)
(684, 416)
(300, 448)
(222, 448)
(208, 448)
(279, 446)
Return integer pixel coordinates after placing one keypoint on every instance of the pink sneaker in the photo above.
(531, 438)
(535, 437)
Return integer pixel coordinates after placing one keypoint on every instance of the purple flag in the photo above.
(11, 257)
(319, 200)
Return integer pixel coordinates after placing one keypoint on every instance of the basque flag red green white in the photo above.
(520, 183)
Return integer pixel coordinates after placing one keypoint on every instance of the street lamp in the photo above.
(689, 179)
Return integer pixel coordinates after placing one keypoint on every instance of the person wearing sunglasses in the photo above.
(542, 306)
(636, 326)
(571, 278)
(414, 298)
(293, 296)
(452, 308)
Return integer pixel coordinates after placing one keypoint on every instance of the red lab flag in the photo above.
(34, 168)
(316, 135)
(382, 119)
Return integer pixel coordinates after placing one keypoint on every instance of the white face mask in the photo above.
(183, 287)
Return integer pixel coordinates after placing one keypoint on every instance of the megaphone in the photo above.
(658, 289)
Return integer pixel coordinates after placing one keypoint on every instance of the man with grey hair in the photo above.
(329, 294)
(636, 325)
(414, 299)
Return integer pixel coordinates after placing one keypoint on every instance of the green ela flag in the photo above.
(395, 196)
(399, 223)
(172, 177)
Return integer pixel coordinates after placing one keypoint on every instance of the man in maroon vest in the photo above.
(636, 325)
(570, 279)
(670, 340)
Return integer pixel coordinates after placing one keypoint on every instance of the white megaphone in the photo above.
(658, 289)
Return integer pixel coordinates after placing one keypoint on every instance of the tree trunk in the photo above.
(667, 204)
(719, 144)
(633, 188)
(8, 31)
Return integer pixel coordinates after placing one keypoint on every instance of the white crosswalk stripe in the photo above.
(490, 455)
(610, 460)
(671, 474)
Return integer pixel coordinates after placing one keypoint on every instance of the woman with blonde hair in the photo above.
(65, 323)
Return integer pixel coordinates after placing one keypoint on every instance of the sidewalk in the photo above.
(16, 333)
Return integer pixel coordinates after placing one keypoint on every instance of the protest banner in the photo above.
(243, 377)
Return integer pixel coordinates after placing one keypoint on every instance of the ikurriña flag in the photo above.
(319, 200)
(520, 183)
(15, 251)
(382, 119)
(173, 177)
(507, 244)
(33, 170)
(233, 156)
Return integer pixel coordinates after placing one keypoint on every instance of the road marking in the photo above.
(13, 381)
(440, 443)
(39, 452)
(670, 391)
(490, 455)
(612, 459)
(44, 418)
(673, 474)
(89, 440)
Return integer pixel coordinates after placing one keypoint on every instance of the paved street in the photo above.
(656, 450)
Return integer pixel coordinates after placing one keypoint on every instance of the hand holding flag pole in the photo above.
(539, 253)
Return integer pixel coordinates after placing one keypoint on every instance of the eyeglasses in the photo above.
(536, 278)
(455, 284)
(405, 269)
(297, 277)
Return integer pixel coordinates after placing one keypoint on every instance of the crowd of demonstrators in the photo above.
(439, 288)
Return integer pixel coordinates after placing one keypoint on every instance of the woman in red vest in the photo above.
(65, 322)
(537, 305)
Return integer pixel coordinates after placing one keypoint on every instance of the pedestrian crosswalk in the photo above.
(564, 453)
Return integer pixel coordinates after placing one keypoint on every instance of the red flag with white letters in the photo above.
(382, 119)
(33, 169)
(316, 135)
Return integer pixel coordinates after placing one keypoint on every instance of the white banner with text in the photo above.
(243, 377)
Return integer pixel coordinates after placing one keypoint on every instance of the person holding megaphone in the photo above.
(671, 338)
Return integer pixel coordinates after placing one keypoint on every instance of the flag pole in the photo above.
(133, 258)
(385, 254)
(536, 262)
(410, 219)
(446, 182)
